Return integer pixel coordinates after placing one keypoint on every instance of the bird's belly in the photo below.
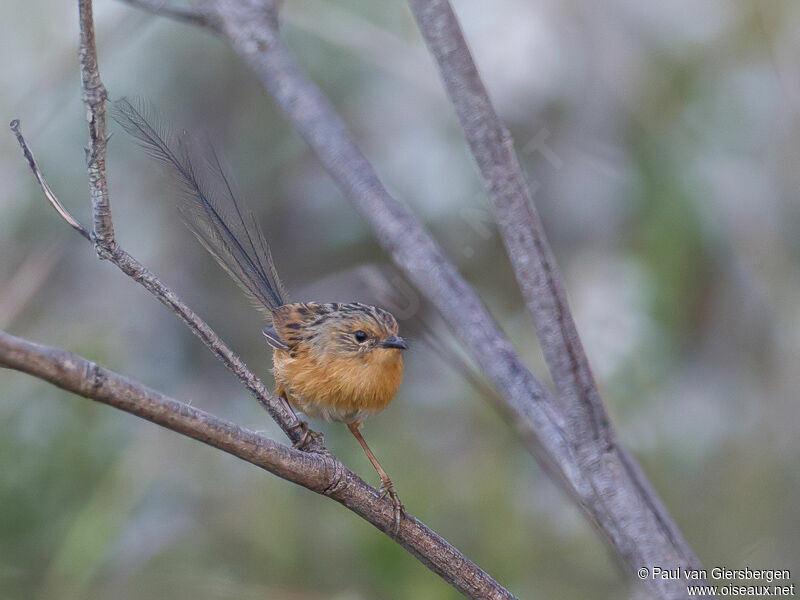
(332, 404)
(326, 410)
(338, 392)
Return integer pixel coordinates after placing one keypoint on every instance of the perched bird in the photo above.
(333, 361)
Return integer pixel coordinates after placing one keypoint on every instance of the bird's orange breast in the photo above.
(339, 389)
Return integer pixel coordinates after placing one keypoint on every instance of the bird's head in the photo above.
(357, 331)
(339, 330)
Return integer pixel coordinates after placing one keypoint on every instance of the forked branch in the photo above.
(320, 473)
(603, 478)
(95, 96)
(316, 470)
(591, 433)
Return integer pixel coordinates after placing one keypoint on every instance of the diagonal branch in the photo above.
(16, 127)
(535, 266)
(316, 470)
(322, 474)
(521, 228)
(95, 95)
(607, 483)
(191, 16)
(283, 416)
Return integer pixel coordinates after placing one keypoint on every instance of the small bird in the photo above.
(338, 362)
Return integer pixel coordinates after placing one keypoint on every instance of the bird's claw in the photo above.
(308, 435)
(399, 511)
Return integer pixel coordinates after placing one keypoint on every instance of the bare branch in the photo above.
(51, 197)
(279, 411)
(521, 228)
(603, 478)
(322, 474)
(316, 470)
(659, 539)
(94, 97)
(191, 16)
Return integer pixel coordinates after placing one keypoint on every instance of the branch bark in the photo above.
(520, 226)
(655, 536)
(317, 470)
(196, 15)
(94, 97)
(573, 428)
(107, 248)
(319, 473)
(252, 32)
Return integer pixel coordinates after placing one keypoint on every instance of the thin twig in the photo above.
(51, 197)
(320, 473)
(107, 247)
(285, 418)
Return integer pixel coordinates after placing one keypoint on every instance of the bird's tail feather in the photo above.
(223, 224)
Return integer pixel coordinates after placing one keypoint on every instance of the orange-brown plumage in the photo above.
(325, 371)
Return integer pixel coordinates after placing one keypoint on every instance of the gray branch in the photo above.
(317, 470)
(646, 536)
(319, 473)
(192, 16)
(520, 226)
(95, 95)
(113, 252)
(573, 429)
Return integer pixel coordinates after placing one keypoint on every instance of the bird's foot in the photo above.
(387, 489)
(308, 435)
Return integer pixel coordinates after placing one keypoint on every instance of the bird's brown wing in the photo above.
(290, 321)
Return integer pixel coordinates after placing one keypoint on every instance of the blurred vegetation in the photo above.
(669, 191)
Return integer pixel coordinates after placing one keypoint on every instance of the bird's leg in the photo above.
(387, 488)
(308, 433)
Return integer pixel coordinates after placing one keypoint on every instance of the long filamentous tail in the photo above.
(223, 224)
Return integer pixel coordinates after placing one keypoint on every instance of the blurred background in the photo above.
(661, 140)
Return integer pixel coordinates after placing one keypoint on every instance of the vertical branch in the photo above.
(521, 228)
(539, 279)
(94, 97)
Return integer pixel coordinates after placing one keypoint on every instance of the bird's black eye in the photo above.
(360, 336)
